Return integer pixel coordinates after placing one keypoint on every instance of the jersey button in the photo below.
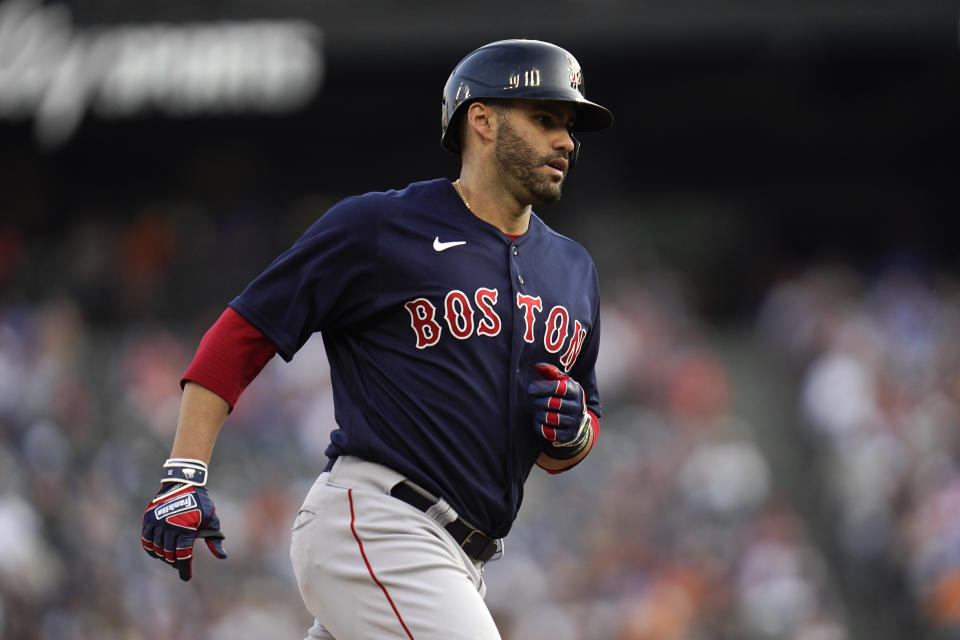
(515, 252)
(521, 279)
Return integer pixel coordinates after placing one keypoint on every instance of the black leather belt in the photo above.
(474, 542)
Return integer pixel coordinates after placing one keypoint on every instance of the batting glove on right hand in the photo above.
(180, 512)
(559, 408)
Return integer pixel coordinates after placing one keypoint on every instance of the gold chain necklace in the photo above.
(456, 185)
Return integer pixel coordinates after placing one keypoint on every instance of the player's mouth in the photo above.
(558, 166)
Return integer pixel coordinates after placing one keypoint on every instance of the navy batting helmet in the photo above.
(518, 69)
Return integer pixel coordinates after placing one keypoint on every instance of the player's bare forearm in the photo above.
(202, 414)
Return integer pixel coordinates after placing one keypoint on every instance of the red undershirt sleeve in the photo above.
(231, 354)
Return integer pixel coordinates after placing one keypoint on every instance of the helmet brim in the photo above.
(592, 117)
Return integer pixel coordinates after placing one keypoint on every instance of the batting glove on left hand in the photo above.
(180, 512)
(559, 408)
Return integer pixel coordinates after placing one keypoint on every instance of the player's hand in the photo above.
(180, 512)
(559, 408)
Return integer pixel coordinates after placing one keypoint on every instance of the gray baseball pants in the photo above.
(372, 567)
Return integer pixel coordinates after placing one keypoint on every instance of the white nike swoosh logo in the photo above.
(443, 246)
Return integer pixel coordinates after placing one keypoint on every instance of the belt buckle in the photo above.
(473, 532)
(497, 543)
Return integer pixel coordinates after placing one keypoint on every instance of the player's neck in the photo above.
(493, 204)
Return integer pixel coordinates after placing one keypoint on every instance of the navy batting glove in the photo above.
(559, 408)
(179, 513)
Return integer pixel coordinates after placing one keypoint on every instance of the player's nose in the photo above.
(564, 142)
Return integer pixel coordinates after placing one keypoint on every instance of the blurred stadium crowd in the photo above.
(677, 526)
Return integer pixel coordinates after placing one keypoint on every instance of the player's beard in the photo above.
(521, 162)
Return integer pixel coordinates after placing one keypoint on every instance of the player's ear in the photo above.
(480, 119)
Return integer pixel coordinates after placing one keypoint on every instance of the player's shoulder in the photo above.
(413, 193)
(559, 243)
(375, 204)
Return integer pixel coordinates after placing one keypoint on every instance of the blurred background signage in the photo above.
(54, 71)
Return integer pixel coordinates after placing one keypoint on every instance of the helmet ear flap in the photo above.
(575, 154)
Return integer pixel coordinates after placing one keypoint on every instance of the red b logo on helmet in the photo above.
(576, 74)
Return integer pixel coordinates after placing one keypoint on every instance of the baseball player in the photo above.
(461, 333)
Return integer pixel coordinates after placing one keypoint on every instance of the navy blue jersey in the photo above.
(432, 320)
